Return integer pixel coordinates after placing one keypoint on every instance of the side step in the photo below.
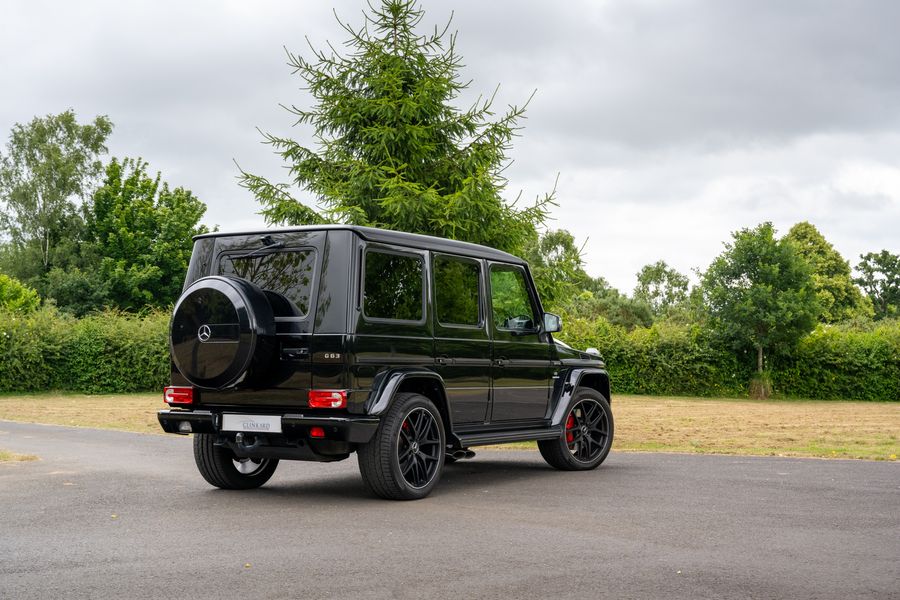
(502, 437)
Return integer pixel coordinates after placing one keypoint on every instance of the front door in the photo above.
(520, 372)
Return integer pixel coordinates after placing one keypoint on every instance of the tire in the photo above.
(221, 468)
(587, 437)
(405, 459)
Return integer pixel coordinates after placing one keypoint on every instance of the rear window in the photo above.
(393, 287)
(286, 277)
(456, 291)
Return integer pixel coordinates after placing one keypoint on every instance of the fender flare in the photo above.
(572, 381)
(386, 384)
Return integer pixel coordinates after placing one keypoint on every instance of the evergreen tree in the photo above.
(391, 149)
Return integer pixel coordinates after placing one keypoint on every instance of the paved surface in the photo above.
(501, 526)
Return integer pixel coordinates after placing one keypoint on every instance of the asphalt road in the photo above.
(116, 515)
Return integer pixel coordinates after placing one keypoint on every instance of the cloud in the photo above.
(670, 124)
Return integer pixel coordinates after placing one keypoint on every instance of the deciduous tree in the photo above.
(142, 229)
(48, 164)
(880, 278)
(661, 287)
(760, 293)
(839, 298)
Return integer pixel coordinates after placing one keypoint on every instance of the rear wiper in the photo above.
(259, 251)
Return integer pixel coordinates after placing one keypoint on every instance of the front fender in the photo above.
(573, 379)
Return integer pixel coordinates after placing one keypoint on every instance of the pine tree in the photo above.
(391, 148)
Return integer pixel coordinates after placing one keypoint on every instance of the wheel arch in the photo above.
(419, 381)
(592, 378)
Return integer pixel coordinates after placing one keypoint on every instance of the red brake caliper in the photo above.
(570, 425)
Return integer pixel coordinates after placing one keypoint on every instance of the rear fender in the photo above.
(389, 383)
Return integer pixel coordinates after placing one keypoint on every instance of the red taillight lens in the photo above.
(327, 398)
(316, 432)
(174, 394)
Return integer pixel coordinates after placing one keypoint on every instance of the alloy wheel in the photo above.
(419, 447)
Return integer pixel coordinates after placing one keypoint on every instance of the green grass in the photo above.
(7, 456)
(809, 428)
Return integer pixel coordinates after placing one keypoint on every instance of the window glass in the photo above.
(393, 286)
(456, 291)
(285, 277)
(509, 299)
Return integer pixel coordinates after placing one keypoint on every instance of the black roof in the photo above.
(387, 236)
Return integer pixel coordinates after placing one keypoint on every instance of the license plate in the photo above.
(255, 423)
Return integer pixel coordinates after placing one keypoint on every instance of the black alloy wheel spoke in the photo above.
(418, 447)
(589, 435)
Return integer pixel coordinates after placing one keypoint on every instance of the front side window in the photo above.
(510, 303)
(285, 277)
(393, 287)
(456, 286)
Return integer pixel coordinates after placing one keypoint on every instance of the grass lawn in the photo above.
(814, 428)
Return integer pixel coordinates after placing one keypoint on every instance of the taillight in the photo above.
(175, 394)
(327, 398)
(316, 432)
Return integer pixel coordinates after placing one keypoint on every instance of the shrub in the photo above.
(849, 362)
(103, 353)
(116, 352)
(844, 362)
(16, 297)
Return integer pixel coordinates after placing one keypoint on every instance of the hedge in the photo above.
(834, 362)
(117, 352)
(108, 352)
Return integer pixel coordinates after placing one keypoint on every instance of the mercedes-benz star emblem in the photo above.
(204, 333)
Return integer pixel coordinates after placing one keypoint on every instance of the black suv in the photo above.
(314, 342)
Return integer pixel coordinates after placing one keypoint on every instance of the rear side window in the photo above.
(456, 291)
(285, 277)
(393, 287)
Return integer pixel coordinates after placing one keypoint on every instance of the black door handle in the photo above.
(500, 362)
(443, 360)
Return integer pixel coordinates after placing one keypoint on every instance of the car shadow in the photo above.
(460, 478)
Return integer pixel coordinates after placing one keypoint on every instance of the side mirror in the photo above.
(552, 323)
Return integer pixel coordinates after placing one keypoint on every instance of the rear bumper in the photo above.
(354, 430)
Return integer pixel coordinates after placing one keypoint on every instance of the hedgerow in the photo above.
(102, 353)
(118, 352)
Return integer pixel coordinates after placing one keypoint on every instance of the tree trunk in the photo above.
(759, 359)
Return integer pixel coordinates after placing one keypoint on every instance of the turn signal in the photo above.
(174, 394)
(327, 398)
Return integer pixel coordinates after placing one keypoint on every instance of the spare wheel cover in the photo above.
(215, 330)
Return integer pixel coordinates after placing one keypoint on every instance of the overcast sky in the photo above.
(670, 124)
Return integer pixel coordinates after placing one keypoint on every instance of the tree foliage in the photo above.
(142, 229)
(839, 298)
(48, 163)
(760, 293)
(15, 297)
(880, 278)
(661, 287)
(556, 265)
(391, 148)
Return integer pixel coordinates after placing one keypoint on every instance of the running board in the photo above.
(502, 437)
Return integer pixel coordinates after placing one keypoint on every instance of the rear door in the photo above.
(521, 369)
(462, 345)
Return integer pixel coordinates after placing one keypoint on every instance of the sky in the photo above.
(668, 124)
